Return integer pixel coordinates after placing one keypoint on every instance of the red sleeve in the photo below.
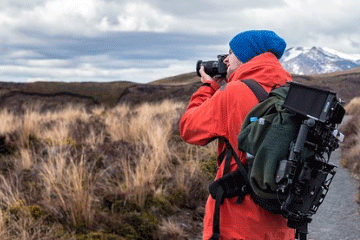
(202, 120)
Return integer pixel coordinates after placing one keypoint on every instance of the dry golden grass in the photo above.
(172, 230)
(8, 122)
(117, 171)
(351, 146)
(353, 106)
(117, 121)
(70, 184)
(350, 149)
(24, 161)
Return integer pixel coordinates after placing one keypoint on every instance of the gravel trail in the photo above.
(338, 217)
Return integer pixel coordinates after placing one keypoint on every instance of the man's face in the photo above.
(232, 62)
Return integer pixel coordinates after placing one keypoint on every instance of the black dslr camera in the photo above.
(213, 68)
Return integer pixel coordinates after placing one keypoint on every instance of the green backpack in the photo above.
(265, 136)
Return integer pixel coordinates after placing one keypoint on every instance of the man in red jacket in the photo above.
(218, 112)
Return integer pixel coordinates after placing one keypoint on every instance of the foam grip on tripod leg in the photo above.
(301, 138)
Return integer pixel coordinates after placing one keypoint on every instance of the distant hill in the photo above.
(52, 95)
(183, 79)
(345, 83)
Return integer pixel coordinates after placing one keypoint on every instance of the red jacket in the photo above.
(219, 112)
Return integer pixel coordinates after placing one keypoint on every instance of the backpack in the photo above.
(286, 174)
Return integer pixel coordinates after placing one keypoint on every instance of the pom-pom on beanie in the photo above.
(249, 44)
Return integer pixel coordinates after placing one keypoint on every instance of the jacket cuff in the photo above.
(212, 84)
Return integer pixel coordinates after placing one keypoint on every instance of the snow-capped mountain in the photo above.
(316, 60)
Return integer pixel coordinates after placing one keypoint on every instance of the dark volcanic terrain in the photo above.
(51, 95)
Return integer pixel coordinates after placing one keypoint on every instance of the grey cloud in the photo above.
(20, 4)
(132, 45)
(197, 30)
(215, 8)
(111, 56)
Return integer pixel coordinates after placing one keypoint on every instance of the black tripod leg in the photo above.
(301, 232)
(302, 236)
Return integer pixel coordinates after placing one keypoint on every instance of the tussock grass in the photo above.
(24, 161)
(8, 122)
(353, 106)
(172, 230)
(350, 148)
(69, 185)
(114, 173)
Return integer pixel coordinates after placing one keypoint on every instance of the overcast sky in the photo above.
(145, 40)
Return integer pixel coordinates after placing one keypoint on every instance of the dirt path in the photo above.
(338, 217)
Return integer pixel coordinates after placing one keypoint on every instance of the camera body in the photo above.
(213, 68)
(304, 180)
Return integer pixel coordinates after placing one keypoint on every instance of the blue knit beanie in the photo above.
(249, 44)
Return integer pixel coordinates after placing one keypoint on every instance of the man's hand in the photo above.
(206, 77)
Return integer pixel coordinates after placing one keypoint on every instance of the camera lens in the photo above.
(210, 67)
(198, 66)
(213, 68)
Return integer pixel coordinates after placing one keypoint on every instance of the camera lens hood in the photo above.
(198, 66)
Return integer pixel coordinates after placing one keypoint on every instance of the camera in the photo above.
(304, 179)
(213, 68)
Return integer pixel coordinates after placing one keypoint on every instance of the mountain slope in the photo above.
(317, 60)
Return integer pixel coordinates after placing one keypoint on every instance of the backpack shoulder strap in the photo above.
(257, 89)
(234, 184)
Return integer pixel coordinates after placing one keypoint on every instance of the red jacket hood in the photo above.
(261, 68)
